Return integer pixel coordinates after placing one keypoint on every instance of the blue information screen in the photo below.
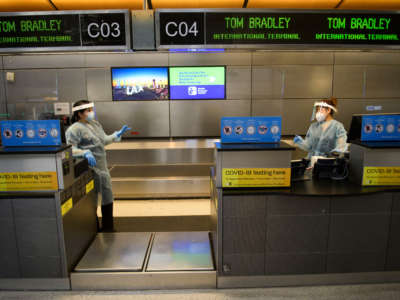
(251, 129)
(380, 128)
(197, 83)
(31, 133)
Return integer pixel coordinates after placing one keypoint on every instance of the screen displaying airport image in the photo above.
(140, 83)
(197, 83)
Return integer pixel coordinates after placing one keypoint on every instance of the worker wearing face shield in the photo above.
(326, 135)
(88, 140)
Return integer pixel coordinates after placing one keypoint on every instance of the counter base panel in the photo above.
(225, 282)
(35, 284)
(143, 280)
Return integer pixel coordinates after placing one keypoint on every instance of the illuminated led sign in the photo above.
(263, 28)
(64, 31)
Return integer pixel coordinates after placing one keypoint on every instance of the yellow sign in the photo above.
(256, 177)
(66, 207)
(28, 181)
(381, 176)
(89, 186)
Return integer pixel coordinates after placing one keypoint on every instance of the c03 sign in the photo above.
(65, 30)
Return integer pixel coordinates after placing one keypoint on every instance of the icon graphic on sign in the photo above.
(54, 132)
(7, 133)
(42, 132)
(378, 128)
(30, 133)
(390, 128)
(238, 129)
(368, 128)
(19, 133)
(192, 91)
(227, 130)
(262, 129)
(274, 129)
(251, 130)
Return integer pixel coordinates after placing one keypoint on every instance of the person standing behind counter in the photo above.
(326, 135)
(88, 139)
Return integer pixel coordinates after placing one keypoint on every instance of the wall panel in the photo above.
(98, 84)
(44, 61)
(296, 113)
(46, 85)
(289, 81)
(126, 59)
(367, 58)
(238, 83)
(262, 58)
(148, 118)
(210, 59)
(202, 117)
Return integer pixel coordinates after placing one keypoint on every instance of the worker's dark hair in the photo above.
(331, 101)
(75, 116)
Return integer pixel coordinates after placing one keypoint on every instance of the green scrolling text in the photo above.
(52, 25)
(359, 23)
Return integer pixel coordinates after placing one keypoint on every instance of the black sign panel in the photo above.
(302, 28)
(39, 31)
(81, 30)
(103, 29)
(257, 28)
(182, 28)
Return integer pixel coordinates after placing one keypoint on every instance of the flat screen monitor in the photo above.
(187, 83)
(139, 83)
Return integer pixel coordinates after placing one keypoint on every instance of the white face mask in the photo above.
(320, 116)
(90, 116)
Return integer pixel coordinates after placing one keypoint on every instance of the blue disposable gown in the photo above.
(319, 142)
(91, 136)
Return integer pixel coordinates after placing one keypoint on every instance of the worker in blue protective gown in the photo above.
(88, 139)
(326, 135)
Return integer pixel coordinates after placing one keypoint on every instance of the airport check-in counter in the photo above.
(313, 232)
(44, 232)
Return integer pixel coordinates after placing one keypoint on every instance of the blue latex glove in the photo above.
(124, 129)
(90, 158)
(297, 139)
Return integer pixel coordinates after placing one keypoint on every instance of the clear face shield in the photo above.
(321, 104)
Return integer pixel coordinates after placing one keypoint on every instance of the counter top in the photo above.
(321, 187)
(378, 145)
(253, 147)
(33, 150)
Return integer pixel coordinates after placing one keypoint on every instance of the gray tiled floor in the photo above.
(353, 292)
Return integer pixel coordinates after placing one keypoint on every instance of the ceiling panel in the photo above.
(197, 3)
(25, 5)
(304, 4)
(98, 4)
(370, 4)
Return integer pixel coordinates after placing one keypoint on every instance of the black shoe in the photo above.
(107, 218)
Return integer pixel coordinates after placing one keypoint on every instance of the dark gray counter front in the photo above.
(314, 227)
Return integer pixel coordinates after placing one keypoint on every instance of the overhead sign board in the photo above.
(261, 28)
(65, 30)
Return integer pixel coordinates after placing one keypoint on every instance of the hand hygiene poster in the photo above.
(197, 82)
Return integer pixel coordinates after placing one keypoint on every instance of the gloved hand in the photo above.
(297, 139)
(124, 129)
(90, 158)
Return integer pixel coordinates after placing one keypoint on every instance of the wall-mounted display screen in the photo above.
(197, 83)
(139, 83)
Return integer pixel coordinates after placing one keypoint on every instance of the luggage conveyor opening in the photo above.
(144, 260)
(162, 215)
